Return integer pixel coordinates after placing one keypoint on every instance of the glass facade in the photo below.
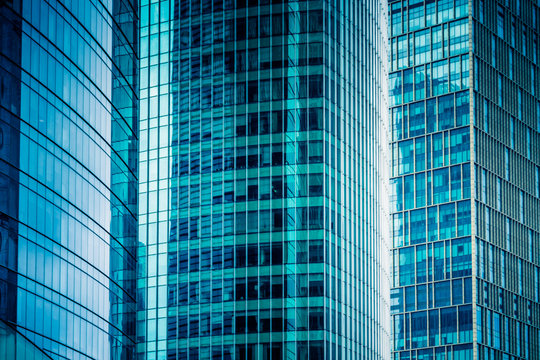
(465, 199)
(68, 177)
(261, 177)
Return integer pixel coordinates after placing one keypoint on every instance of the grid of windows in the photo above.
(67, 140)
(438, 167)
(259, 188)
(507, 202)
(432, 294)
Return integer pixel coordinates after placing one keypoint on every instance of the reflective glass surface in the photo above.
(431, 298)
(465, 185)
(68, 139)
(261, 225)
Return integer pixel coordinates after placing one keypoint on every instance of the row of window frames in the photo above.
(312, 350)
(442, 77)
(506, 302)
(252, 222)
(185, 8)
(442, 222)
(505, 64)
(246, 288)
(252, 124)
(253, 59)
(263, 188)
(207, 97)
(432, 151)
(422, 297)
(447, 325)
(417, 15)
(242, 322)
(526, 29)
(436, 261)
(239, 256)
(504, 333)
(252, 27)
(439, 186)
(461, 352)
(435, 114)
(424, 47)
(497, 121)
(253, 157)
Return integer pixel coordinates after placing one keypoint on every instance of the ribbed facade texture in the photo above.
(68, 178)
(263, 231)
(465, 109)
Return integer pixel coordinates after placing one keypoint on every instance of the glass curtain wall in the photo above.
(68, 176)
(263, 131)
(465, 110)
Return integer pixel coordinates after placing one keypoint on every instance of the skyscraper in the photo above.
(68, 178)
(263, 141)
(465, 113)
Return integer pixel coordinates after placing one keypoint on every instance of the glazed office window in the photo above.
(419, 329)
(408, 191)
(420, 154)
(455, 183)
(396, 19)
(440, 185)
(416, 15)
(402, 52)
(445, 112)
(436, 43)
(418, 226)
(421, 264)
(419, 83)
(396, 88)
(447, 218)
(416, 119)
(406, 158)
(459, 37)
(434, 329)
(406, 266)
(408, 85)
(420, 183)
(399, 332)
(448, 325)
(455, 74)
(462, 108)
(461, 257)
(500, 21)
(440, 77)
(459, 145)
(461, 8)
(422, 45)
(445, 10)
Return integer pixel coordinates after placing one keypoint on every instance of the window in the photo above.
(419, 329)
(461, 257)
(440, 77)
(395, 18)
(395, 88)
(447, 218)
(448, 325)
(446, 10)
(446, 111)
(459, 37)
(416, 119)
(416, 16)
(419, 83)
(408, 85)
(440, 186)
(500, 21)
(406, 266)
(406, 158)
